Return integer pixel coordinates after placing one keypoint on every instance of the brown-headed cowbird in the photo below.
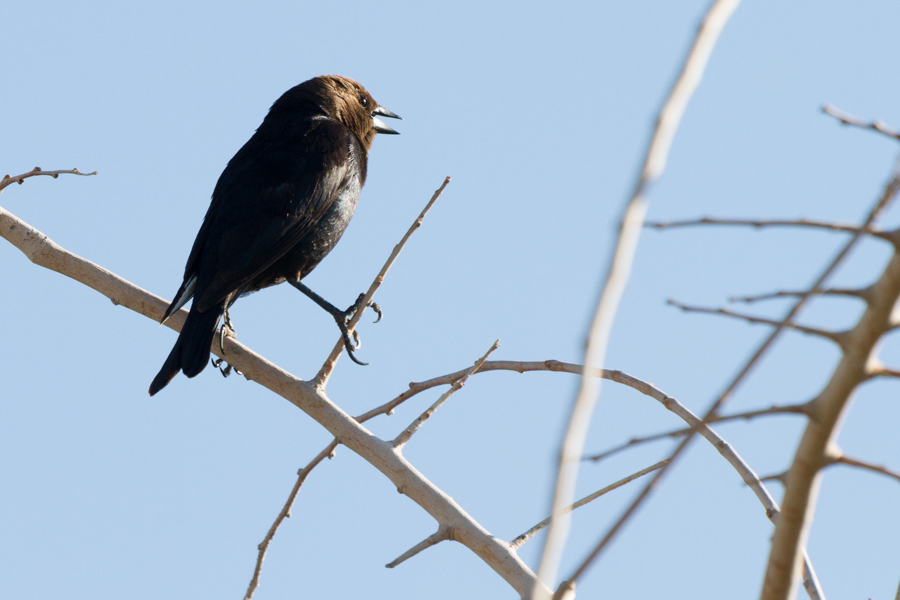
(279, 207)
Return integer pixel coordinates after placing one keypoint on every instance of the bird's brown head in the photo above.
(345, 100)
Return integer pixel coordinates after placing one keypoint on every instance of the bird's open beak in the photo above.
(379, 125)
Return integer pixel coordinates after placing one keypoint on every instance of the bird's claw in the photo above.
(355, 307)
(217, 363)
(351, 344)
(375, 306)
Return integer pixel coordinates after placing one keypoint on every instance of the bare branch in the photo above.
(309, 398)
(407, 433)
(853, 462)
(779, 477)
(435, 538)
(415, 388)
(20, 179)
(617, 278)
(838, 337)
(847, 119)
(284, 514)
(321, 378)
(746, 473)
(793, 409)
(882, 371)
(885, 235)
(522, 539)
(801, 487)
(862, 294)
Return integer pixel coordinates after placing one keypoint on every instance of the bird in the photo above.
(279, 207)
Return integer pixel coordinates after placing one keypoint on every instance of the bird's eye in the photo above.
(363, 100)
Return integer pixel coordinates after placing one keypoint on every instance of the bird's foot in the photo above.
(227, 370)
(227, 329)
(355, 307)
(343, 319)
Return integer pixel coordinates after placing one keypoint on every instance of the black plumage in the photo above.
(279, 207)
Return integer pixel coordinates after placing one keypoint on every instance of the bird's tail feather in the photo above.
(191, 351)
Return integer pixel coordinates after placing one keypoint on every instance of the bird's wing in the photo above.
(266, 201)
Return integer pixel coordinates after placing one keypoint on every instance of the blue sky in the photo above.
(540, 114)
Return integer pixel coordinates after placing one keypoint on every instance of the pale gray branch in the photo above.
(847, 119)
(435, 538)
(522, 539)
(617, 277)
(838, 337)
(284, 514)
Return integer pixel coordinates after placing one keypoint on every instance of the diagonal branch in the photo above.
(522, 539)
(284, 514)
(847, 119)
(309, 398)
(838, 337)
(437, 537)
(617, 278)
(321, 378)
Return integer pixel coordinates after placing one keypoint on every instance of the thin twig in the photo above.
(791, 409)
(435, 538)
(407, 433)
(862, 294)
(853, 462)
(284, 514)
(522, 539)
(321, 378)
(617, 278)
(847, 119)
(20, 179)
(838, 337)
(885, 235)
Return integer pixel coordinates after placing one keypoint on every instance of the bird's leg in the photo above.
(341, 317)
(226, 329)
